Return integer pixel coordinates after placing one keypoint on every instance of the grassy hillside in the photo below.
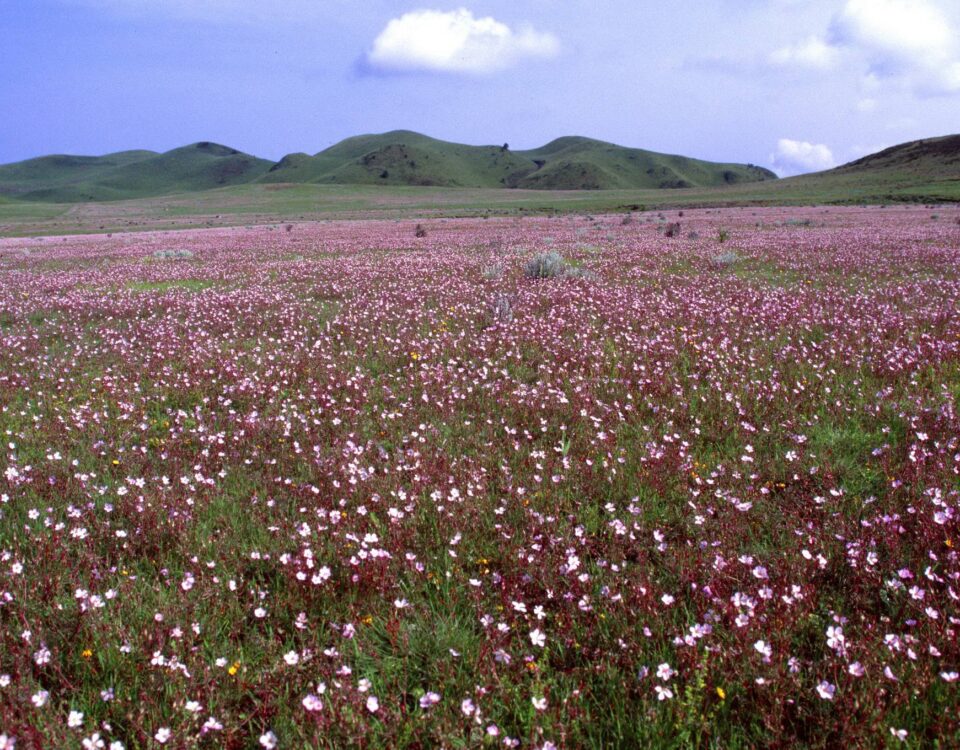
(923, 171)
(573, 163)
(48, 172)
(397, 158)
(129, 174)
(583, 163)
(402, 157)
(927, 158)
(926, 170)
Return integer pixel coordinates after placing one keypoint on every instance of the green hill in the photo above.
(583, 163)
(926, 171)
(48, 172)
(572, 163)
(402, 157)
(929, 157)
(397, 158)
(129, 174)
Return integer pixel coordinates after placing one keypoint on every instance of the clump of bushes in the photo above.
(551, 266)
(724, 260)
(173, 255)
(545, 266)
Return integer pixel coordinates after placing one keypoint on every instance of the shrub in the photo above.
(552, 265)
(626, 221)
(693, 236)
(545, 266)
(724, 260)
(672, 229)
(173, 255)
(722, 235)
(420, 231)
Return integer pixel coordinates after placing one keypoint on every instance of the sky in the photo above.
(795, 85)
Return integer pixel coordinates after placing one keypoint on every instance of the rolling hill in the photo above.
(926, 170)
(397, 158)
(565, 171)
(930, 157)
(592, 165)
(402, 157)
(129, 174)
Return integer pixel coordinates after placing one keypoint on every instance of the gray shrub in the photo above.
(173, 255)
(553, 266)
(545, 266)
(724, 260)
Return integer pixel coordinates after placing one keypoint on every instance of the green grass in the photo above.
(190, 285)
(308, 194)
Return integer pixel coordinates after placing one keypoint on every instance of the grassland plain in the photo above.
(340, 485)
(249, 205)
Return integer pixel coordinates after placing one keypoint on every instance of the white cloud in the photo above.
(455, 42)
(897, 33)
(795, 157)
(908, 41)
(813, 53)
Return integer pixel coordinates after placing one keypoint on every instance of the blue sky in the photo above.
(792, 84)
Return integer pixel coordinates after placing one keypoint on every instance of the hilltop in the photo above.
(927, 157)
(927, 170)
(403, 157)
(129, 174)
(397, 158)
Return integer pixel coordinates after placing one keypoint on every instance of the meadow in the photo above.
(334, 484)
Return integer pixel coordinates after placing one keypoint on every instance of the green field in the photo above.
(265, 204)
(926, 172)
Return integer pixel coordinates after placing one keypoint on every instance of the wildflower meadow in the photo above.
(378, 484)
